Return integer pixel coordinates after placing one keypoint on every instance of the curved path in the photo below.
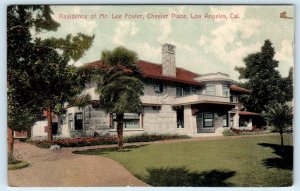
(63, 168)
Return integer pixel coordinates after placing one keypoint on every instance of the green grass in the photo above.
(19, 165)
(247, 161)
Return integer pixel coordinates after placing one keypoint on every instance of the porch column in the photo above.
(190, 125)
(236, 119)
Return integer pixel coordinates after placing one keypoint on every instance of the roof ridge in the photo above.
(176, 66)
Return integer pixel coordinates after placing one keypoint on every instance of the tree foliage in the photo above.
(265, 82)
(120, 85)
(21, 61)
(281, 117)
(39, 75)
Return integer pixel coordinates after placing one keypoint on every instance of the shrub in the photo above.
(229, 132)
(20, 164)
(105, 140)
(235, 132)
(152, 137)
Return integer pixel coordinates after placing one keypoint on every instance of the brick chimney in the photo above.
(168, 60)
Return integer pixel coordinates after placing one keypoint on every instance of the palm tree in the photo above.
(281, 117)
(120, 85)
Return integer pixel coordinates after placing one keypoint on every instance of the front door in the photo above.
(78, 121)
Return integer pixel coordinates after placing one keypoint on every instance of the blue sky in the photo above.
(203, 45)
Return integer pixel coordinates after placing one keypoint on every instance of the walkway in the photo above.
(63, 168)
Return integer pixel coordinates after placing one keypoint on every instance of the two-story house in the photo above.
(175, 100)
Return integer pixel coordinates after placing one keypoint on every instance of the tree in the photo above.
(38, 74)
(120, 86)
(281, 117)
(61, 82)
(265, 82)
(22, 107)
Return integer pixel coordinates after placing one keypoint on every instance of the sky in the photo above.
(215, 43)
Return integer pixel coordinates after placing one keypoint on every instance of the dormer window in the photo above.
(158, 88)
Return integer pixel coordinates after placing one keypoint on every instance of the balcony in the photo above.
(200, 98)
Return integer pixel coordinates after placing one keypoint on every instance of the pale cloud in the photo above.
(231, 33)
(183, 46)
(285, 56)
(286, 52)
(165, 24)
(123, 30)
(166, 30)
(147, 52)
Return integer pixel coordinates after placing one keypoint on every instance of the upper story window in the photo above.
(210, 89)
(192, 90)
(225, 90)
(185, 91)
(179, 92)
(158, 88)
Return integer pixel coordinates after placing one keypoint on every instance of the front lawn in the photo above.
(246, 161)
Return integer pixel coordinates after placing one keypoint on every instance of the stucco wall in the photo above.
(38, 129)
(160, 121)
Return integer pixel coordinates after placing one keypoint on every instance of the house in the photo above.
(175, 101)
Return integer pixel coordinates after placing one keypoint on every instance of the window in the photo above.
(158, 88)
(70, 120)
(186, 91)
(193, 90)
(180, 118)
(210, 89)
(179, 92)
(131, 120)
(225, 120)
(208, 120)
(225, 90)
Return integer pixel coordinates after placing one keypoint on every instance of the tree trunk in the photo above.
(120, 118)
(29, 133)
(49, 127)
(281, 141)
(10, 138)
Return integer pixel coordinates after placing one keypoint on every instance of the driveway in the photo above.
(63, 168)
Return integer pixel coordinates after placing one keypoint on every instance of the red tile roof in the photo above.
(154, 71)
(247, 113)
(238, 89)
(151, 70)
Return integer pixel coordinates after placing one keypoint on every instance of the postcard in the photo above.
(150, 95)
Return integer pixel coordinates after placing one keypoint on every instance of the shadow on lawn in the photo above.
(102, 151)
(182, 177)
(285, 159)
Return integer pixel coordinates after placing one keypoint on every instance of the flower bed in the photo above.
(105, 140)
